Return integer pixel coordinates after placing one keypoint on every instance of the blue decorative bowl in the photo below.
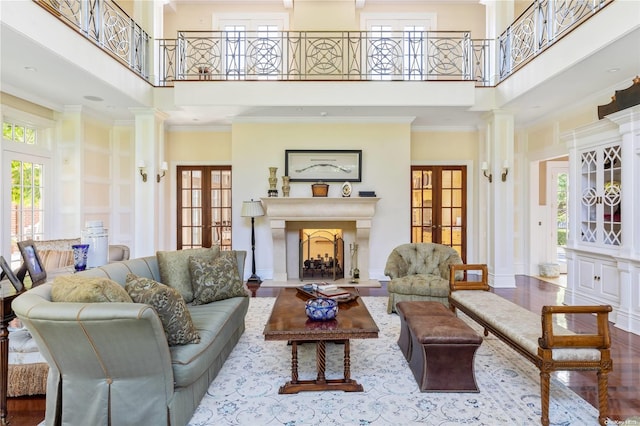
(321, 309)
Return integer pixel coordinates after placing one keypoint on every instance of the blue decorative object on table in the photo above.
(80, 256)
(321, 309)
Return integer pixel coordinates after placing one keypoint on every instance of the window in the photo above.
(253, 45)
(397, 45)
(20, 134)
(24, 202)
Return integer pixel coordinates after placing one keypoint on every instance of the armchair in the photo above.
(418, 272)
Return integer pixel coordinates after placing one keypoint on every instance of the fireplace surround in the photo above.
(287, 215)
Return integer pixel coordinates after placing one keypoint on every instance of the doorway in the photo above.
(438, 206)
(204, 207)
(557, 192)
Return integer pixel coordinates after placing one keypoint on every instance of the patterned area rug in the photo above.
(246, 390)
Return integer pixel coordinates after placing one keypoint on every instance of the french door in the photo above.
(204, 207)
(438, 206)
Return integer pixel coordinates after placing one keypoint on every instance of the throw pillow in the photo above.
(56, 259)
(174, 268)
(215, 280)
(170, 306)
(79, 289)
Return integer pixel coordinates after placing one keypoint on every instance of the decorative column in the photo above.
(500, 243)
(150, 216)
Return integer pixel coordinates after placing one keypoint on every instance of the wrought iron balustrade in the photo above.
(542, 24)
(324, 55)
(108, 26)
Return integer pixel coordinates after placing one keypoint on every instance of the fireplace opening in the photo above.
(321, 254)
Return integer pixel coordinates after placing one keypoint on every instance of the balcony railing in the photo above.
(108, 26)
(324, 55)
(327, 55)
(540, 26)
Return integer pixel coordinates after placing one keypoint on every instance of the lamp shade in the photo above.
(252, 209)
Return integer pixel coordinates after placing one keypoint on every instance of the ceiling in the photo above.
(33, 72)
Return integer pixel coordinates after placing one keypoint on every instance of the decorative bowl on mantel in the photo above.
(321, 309)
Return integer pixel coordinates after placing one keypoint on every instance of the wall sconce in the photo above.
(142, 168)
(505, 170)
(485, 169)
(163, 169)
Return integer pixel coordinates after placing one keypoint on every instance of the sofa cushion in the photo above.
(174, 268)
(216, 279)
(218, 324)
(79, 289)
(170, 306)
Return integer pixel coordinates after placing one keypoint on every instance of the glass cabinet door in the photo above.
(600, 214)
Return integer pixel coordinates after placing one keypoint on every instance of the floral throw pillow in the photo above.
(217, 279)
(170, 306)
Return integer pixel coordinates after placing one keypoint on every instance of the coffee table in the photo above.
(289, 322)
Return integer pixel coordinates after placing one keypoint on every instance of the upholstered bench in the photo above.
(439, 347)
(537, 337)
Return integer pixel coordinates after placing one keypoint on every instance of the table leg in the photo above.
(4, 366)
(321, 355)
(347, 362)
(294, 362)
(321, 383)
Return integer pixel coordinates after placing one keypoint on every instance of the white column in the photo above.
(500, 200)
(150, 211)
(69, 154)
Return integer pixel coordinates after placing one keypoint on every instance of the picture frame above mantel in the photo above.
(323, 165)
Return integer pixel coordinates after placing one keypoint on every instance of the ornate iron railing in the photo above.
(541, 25)
(108, 26)
(324, 55)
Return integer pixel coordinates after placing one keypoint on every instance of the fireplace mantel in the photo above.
(320, 208)
(279, 211)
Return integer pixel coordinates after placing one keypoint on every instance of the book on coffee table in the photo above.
(333, 292)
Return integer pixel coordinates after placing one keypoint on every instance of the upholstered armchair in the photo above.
(419, 271)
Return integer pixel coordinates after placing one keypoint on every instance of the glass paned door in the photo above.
(204, 207)
(438, 208)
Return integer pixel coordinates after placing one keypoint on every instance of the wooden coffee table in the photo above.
(289, 322)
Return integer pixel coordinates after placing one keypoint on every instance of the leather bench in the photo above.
(439, 347)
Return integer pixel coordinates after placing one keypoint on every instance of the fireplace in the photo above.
(288, 216)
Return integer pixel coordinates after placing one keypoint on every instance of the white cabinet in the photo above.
(603, 246)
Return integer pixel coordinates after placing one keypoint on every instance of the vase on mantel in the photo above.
(273, 182)
(286, 187)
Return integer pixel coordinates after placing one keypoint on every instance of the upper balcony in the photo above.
(326, 55)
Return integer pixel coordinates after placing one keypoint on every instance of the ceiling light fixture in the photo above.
(93, 98)
(34, 69)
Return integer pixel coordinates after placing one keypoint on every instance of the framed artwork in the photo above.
(31, 263)
(6, 270)
(325, 165)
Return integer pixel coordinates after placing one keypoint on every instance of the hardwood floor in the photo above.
(531, 293)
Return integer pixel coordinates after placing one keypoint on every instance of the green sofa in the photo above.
(110, 363)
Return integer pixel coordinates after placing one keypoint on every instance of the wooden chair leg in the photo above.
(544, 397)
(603, 396)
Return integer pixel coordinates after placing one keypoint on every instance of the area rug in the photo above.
(245, 392)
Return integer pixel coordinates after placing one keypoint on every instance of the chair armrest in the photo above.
(464, 284)
(600, 340)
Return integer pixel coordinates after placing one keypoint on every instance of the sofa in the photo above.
(419, 272)
(27, 369)
(111, 363)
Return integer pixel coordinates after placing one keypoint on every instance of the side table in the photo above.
(6, 315)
